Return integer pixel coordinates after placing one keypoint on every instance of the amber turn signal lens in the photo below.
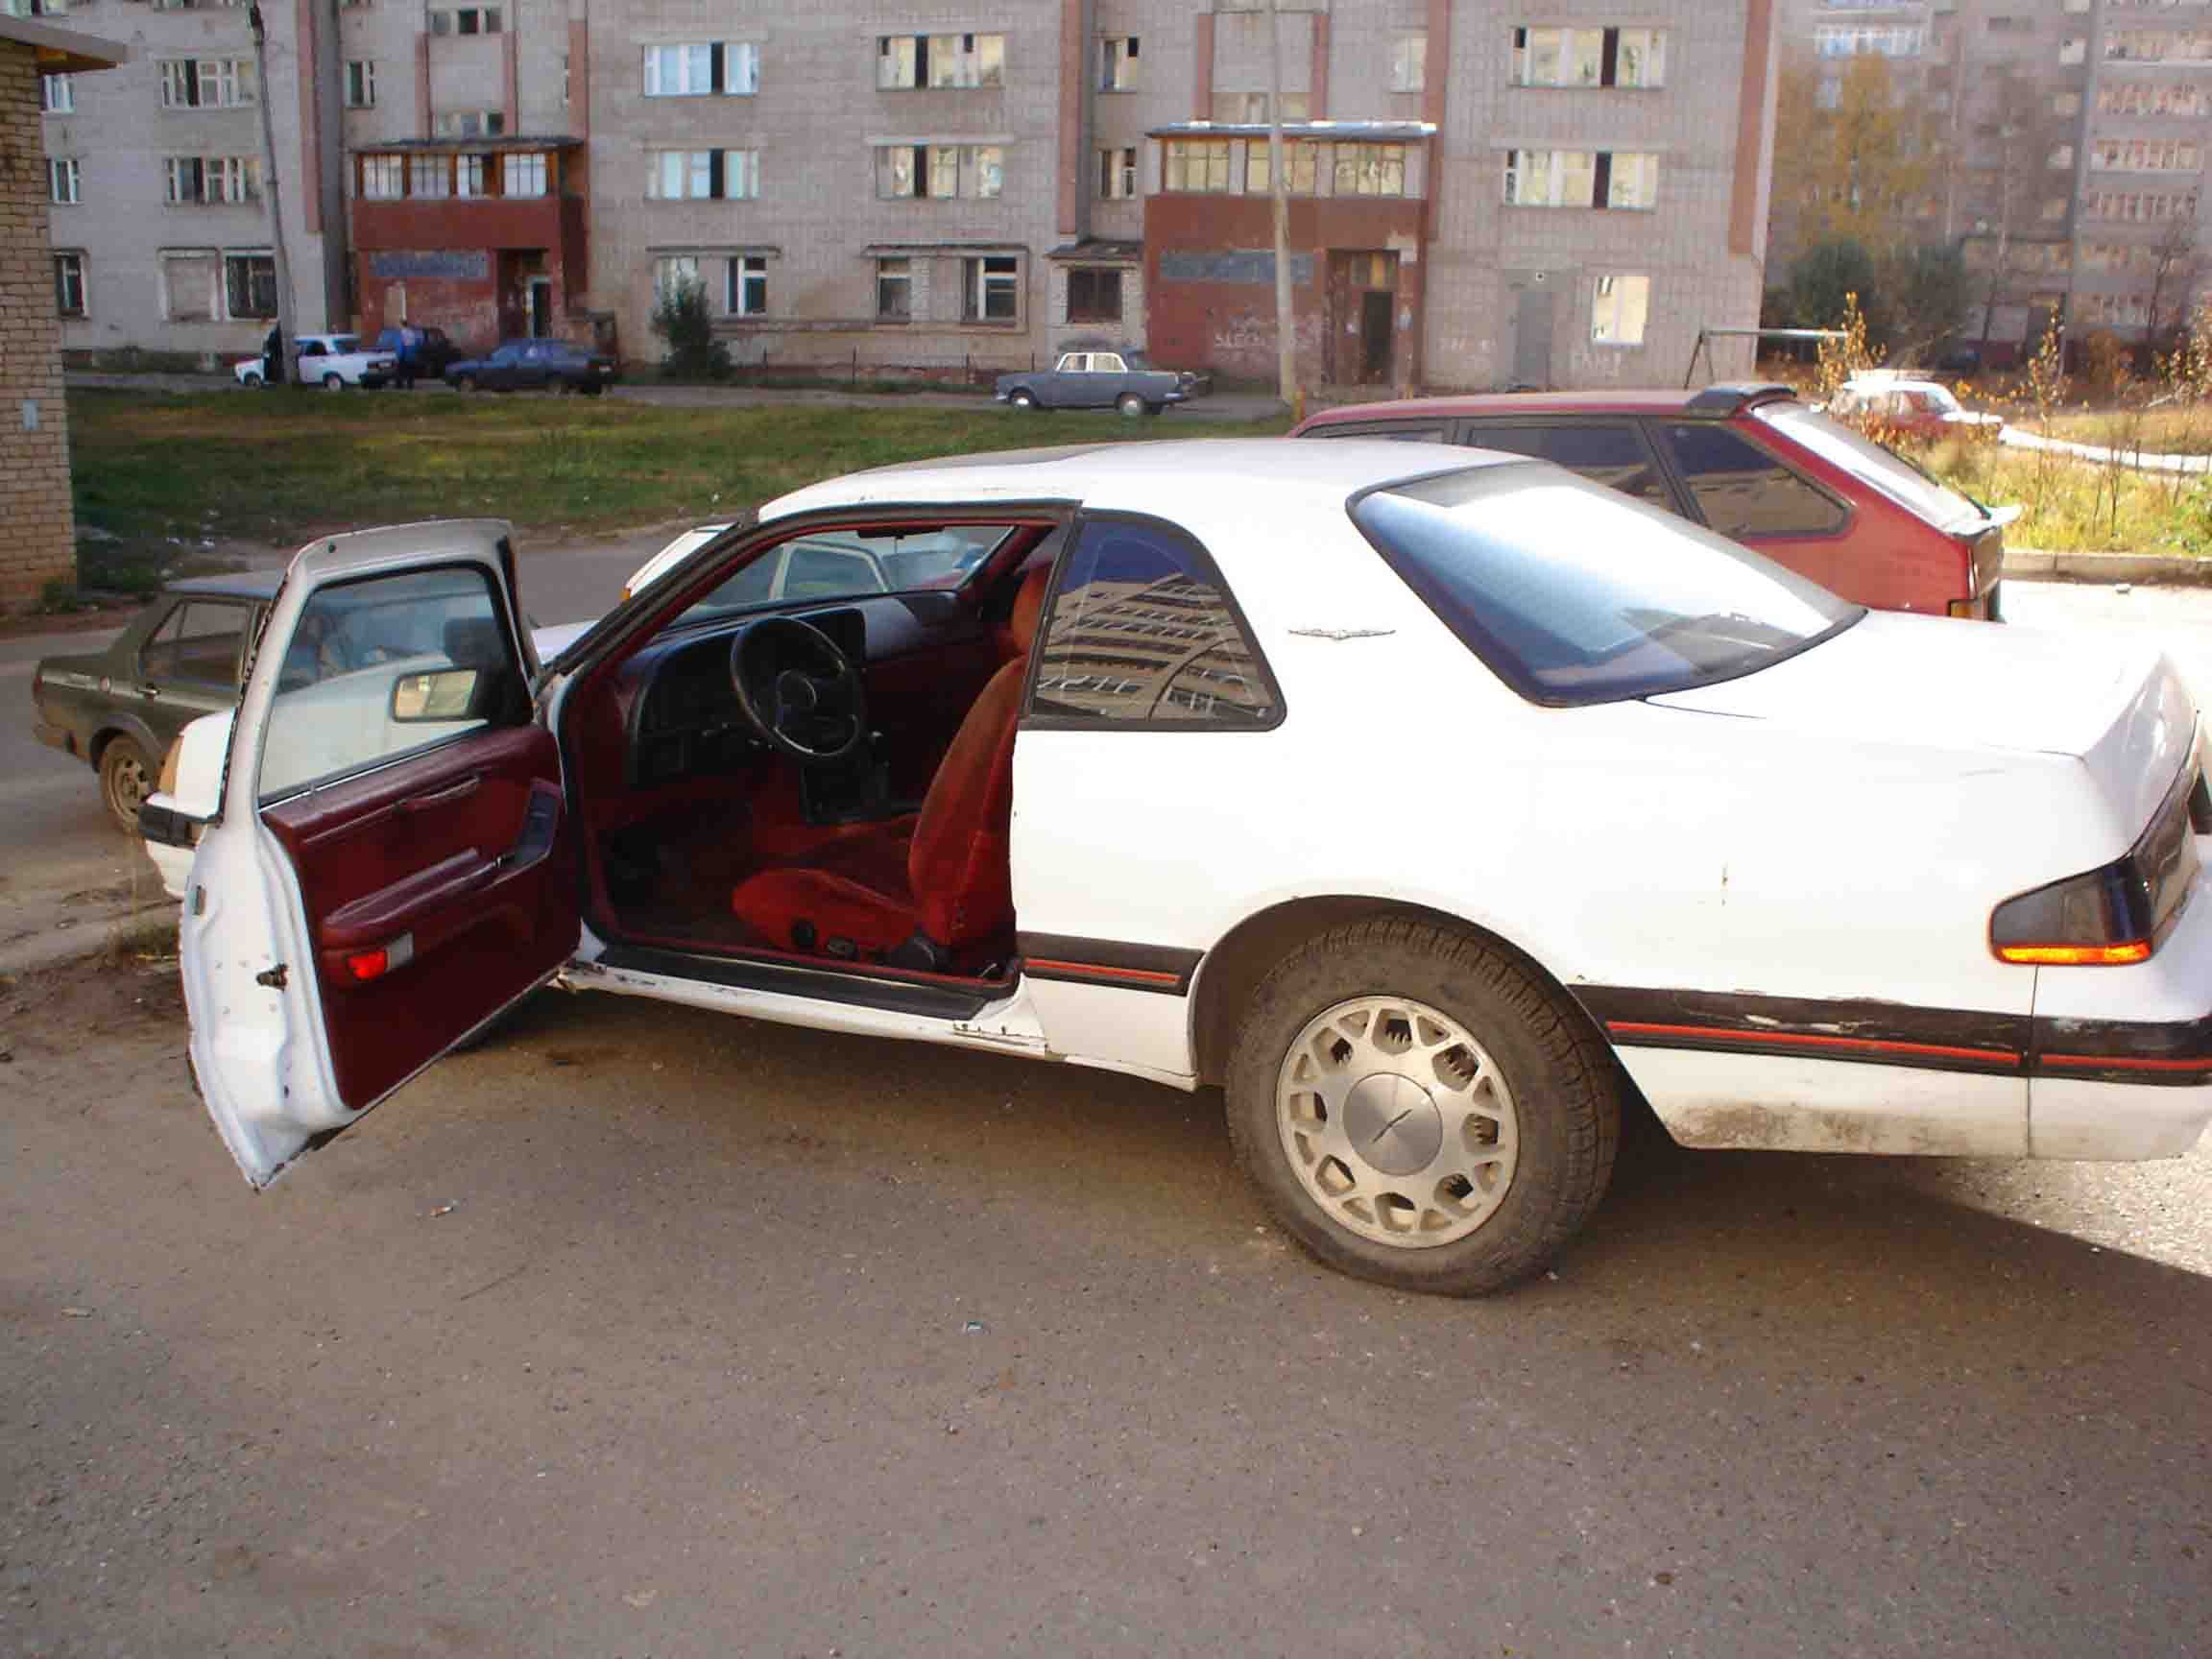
(2079, 955)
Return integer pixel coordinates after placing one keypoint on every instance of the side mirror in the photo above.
(437, 695)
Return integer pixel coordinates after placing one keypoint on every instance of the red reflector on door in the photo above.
(368, 964)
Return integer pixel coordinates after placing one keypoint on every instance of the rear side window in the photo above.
(1409, 432)
(1142, 631)
(1612, 455)
(199, 641)
(385, 666)
(1572, 594)
(1871, 464)
(1741, 489)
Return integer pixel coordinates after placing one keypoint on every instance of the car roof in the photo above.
(1712, 400)
(238, 584)
(1142, 476)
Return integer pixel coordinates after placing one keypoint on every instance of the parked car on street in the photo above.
(331, 361)
(1753, 462)
(1908, 406)
(1099, 376)
(120, 707)
(1805, 876)
(534, 366)
(432, 354)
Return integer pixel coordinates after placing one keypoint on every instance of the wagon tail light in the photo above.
(2116, 915)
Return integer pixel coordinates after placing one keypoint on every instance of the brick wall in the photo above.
(37, 533)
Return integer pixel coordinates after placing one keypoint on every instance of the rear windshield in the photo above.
(1871, 465)
(1574, 593)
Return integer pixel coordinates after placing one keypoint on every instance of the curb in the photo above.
(2151, 570)
(90, 934)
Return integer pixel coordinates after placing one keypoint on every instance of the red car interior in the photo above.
(446, 864)
(699, 837)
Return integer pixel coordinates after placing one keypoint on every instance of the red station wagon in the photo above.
(1749, 461)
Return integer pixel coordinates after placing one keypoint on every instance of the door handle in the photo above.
(152, 693)
(430, 802)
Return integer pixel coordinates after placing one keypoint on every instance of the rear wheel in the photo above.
(251, 382)
(1023, 399)
(125, 780)
(1420, 1108)
(333, 382)
(463, 382)
(1132, 406)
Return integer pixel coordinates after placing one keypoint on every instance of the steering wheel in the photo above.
(799, 689)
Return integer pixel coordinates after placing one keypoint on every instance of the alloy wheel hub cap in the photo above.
(1393, 1124)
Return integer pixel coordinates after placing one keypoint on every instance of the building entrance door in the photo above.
(540, 317)
(1532, 337)
(1362, 305)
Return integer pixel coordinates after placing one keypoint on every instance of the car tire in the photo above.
(125, 780)
(1132, 406)
(1495, 1103)
(463, 382)
(1023, 399)
(333, 382)
(251, 382)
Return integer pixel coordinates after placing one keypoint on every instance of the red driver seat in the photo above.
(936, 881)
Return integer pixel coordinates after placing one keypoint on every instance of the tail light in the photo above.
(2115, 915)
(168, 767)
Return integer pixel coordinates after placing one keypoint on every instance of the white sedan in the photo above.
(1429, 803)
(330, 361)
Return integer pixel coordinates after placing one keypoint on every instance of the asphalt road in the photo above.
(651, 1332)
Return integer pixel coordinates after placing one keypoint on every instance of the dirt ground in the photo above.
(651, 1332)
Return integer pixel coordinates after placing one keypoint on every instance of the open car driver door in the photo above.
(392, 865)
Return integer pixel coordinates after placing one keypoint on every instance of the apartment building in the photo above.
(2066, 145)
(157, 209)
(1481, 194)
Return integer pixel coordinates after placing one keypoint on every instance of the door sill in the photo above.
(935, 997)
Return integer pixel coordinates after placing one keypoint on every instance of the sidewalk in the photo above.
(2139, 460)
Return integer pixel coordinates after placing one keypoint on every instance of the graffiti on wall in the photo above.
(447, 265)
(1250, 266)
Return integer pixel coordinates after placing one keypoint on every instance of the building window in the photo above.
(430, 177)
(470, 175)
(1117, 64)
(207, 82)
(1581, 178)
(1117, 174)
(703, 175)
(894, 290)
(940, 170)
(34, 7)
(563, 80)
(1369, 170)
(1409, 61)
(1250, 109)
(250, 284)
(58, 94)
(188, 286)
(1301, 158)
(674, 273)
(522, 173)
(469, 123)
(63, 177)
(993, 289)
(1861, 41)
(1601, 57)
(360, 83)
(466, 20)
(703, 68)
(69, 284)
(1619, 307)
(748, 291)
(943, 60)
(207, 180)
(383, 177)
(2143, 156)
(1199, 165)
(1094, 294)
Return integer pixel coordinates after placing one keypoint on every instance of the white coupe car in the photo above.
(330, 361)
(1426, 801)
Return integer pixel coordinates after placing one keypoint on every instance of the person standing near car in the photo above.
(273, 357)
(407, 349)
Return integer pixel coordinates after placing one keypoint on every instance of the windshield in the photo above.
(852, 564)
(1574, 593)
(1871, 465)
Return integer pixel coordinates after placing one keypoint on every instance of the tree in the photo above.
(2008, 172)
(679, 317)
(1861, 168)
(1822, 281)
(1926, 292)
(2175, 268)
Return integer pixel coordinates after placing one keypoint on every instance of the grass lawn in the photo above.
(2069, 506)
(280, 468)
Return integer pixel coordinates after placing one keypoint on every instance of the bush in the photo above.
(681, 317)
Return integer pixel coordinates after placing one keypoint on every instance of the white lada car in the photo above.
(1426, 802)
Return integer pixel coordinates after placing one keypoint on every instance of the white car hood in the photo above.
(1933, 682)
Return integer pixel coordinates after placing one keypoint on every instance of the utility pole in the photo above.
(283, 265)
(1279, 185)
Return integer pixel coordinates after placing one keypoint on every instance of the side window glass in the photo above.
(199, 641)
(1106, 364)
(1397, 434)
(1612, 455)
(1142, 631)
(825, 572)
(1741, 489)
(381, 667)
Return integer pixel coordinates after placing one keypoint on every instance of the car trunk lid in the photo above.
(1929, 683)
